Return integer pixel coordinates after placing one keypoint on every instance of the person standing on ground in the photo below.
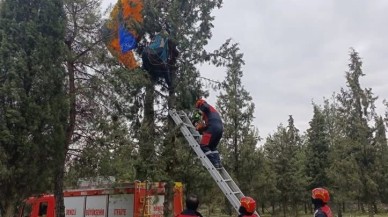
(192, 203)
(247, 207)
(320, 197)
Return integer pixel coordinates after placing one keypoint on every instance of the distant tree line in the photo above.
(69, 110)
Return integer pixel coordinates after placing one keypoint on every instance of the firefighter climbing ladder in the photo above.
(220, 176)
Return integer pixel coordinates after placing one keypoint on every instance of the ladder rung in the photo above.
(189, 125)
(220, 175)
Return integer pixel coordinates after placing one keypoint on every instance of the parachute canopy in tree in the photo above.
(122, 31)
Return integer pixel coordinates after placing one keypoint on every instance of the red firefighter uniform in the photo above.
(211, 131)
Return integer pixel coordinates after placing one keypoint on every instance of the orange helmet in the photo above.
(249, 204)
(199, 103)
(320, 193)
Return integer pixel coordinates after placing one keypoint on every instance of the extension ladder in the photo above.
(220, 176)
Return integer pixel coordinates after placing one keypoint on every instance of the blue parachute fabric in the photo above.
(126, 40)
(159, 47)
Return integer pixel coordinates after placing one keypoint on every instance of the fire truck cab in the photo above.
(137, 199)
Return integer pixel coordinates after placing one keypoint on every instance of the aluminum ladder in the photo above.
(220, 176)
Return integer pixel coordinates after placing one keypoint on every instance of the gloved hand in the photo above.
(200, 127)
(196, 117)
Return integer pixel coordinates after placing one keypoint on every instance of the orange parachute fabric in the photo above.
(122, 31)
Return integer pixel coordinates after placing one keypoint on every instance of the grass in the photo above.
(217, 213)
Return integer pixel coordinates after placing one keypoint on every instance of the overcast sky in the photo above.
(297, 51)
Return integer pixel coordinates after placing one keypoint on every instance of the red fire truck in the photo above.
(137, 199)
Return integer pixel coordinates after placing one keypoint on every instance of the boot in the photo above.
(217, 160)
(213, 159)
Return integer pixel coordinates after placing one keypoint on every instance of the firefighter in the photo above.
(247, 207)
(320, 197)
(211, 129)
(192, 203)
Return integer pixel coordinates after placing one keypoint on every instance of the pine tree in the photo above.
(285, 156)
(317, 150)
(32, 97)
(238, 145)
(236, 109)
(105, 100)
(381, 146)
(356, 151)
(189, 24)
(382, 143)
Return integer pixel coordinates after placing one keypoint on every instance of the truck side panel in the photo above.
(74, 206)
(96, 206)
(156, 206)
(121, 205)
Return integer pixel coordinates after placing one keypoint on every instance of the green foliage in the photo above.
(355, 156)
(317, 150)
(235, 105)
(113, 122)
(285, 156)
(32, 97)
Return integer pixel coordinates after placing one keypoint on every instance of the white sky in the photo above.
(297, 51)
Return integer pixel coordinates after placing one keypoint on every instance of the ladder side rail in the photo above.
(230, 190)
(192, 129)
(226, 189)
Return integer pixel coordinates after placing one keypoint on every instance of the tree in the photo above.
(381, 146)
(32, 97)
(240, 138)
(317, 150)
(285, 156)
(236, 109)
(356, 109)
(382, 149)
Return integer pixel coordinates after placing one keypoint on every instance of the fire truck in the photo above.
(138, 199)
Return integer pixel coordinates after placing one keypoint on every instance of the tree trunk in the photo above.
(339, 210)
(305, 207)
(58, 192)
(9, 208)
(343, 206)
(371, 212)
(147, 131)
(60, 171)
(170, 148)
(284, 207)
(262, 208)
(295, 208)
(375, 207)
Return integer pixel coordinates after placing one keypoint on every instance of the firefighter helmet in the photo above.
(248, 203)
(199, 103)
(320, 193)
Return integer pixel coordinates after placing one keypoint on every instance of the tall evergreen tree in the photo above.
(285, 156)
(104, 100)
(236, 109)
(317, 150)
(240, 138)
(381, 146)
(32, 97)
(356, 109)
(189, 24)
